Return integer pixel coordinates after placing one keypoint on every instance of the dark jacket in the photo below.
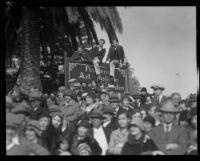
(109, 129)
(35, 114)
(26, 147)
(137, 147)
(49, 139)
(120, 53)
(177, 135)
(96, 53)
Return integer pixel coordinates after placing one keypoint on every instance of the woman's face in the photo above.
(49, 102)
(137, 114)
(64, 145)
(82, 131)
(147, 126)
(89, 100)
(30, 134)
(134, 130)
(56, 121)
(126, 102)
(123, 120)
(43, 122)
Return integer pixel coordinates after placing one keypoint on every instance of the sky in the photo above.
(160, 44)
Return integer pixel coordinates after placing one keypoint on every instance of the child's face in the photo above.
(64, 145)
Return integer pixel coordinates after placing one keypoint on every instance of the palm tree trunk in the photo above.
(30, 53)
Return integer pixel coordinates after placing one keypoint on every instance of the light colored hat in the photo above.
(138, 122)
(61, 88)
(72, 80)
(169, 107)
(111, 87)
(158, 86)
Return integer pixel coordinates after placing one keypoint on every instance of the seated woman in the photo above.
(138, 143)
(119, 137)
(83, 132)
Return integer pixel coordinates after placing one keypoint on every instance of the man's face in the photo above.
(67, 99)
(126, 102)
(143, 93)
(168, 117)
(176, 99)
(157, 92)
(114, 105)
(96, 122)
(35, 103)
(82, 131)
(115, 43)
(56, 121)
(101, 43)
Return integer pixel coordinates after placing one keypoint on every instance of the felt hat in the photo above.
(61, 88)
(111, 87)
(70, 93)
(103, 91)
(138, 122)
(34, 125)
(44, 114)
(169, 107)
(91, 95)
(150, 119)
(84, 123)
(72, 80)
(108, 110)
(13, 120)
(114, 99)
(35, 95)
(95, 114)
(157, 86)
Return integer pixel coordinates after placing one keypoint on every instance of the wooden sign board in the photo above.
(85, 72)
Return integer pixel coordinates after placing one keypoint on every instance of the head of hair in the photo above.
(115, 40)
(123, 112)
(175, 93)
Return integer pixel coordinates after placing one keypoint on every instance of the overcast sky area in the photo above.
(160, 44)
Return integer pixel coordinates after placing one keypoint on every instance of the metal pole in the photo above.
(66, 68)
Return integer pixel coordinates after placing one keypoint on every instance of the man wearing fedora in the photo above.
(109, 123)
(170, 138)
(158, 97)
(17, 144)
(37, 109)
(97, 130)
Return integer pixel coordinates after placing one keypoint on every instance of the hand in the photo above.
(157, 152)
(171, 146)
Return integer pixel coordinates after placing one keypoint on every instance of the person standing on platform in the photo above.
(115, 56)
